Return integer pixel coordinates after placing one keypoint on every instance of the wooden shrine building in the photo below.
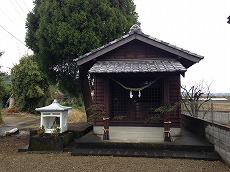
(136, 74)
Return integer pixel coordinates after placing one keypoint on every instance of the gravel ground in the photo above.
(11, 160)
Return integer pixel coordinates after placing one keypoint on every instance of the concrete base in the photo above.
(51, 143)
(136, 133)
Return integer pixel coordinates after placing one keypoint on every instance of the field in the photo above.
(223, 106)
(215, 111)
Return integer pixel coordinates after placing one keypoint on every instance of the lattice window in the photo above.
(135, 108)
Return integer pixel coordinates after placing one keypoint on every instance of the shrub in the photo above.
(12, 110)
(1, 120)
(29, 85)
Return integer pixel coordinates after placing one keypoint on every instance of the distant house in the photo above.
(135, 74)
(214, 99)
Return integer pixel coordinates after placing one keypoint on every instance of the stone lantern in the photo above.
(54, 116)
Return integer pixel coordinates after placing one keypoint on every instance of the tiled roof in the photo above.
(137, 66)
(135, 29)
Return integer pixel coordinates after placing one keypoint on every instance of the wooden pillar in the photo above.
(106, 129)
(167, 122)
(167, 131)
(107, 96)
(166, 90)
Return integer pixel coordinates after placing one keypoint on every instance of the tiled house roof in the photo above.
(136, 33)
(137, 66)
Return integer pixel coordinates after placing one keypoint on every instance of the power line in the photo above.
(6, 16)
(17, 10)
(25, 5)
(12, 35)
(20, 7)
(10, 19)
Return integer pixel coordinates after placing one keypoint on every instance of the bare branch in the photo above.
(192, 97)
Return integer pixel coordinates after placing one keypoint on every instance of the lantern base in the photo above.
(51, 143)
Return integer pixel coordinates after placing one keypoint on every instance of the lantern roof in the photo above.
(55, 106)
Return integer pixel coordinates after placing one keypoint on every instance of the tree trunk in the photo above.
(193, 108)
(196, 109)
(85, 89)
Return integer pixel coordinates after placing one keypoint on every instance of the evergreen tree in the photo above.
(59, 31)
(2, 90)
(2, 85)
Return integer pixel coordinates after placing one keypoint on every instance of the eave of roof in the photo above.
(136, 33)
(54, 107)
(137, 66)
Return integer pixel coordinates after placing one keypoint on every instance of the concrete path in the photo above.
(22, 122)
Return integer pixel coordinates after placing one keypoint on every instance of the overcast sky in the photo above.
(199, 26)
(12, 21)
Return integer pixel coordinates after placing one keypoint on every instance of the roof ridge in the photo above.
(149, 59)
(135, 29)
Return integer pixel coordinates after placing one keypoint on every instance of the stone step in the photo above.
(139, 135)
(138, 146)
(211, 156)
(136, 132)
(187, 146)
(95, 141)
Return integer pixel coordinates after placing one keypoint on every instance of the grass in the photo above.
(221, 106)
(77, 115)
(217, 106)
(1, 120)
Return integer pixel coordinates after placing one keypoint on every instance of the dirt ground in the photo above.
(11, 160)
